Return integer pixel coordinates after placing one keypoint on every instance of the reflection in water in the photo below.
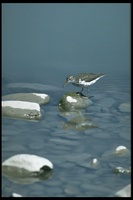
(23, 176)
(78, 122)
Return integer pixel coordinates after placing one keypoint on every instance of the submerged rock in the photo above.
(25, 168)
(125, 107)
(118, 151)
(16, 195)
(21, 109)
(94, 162)
(72, 101)
(121, 150)
(30, 97)
(121, 170)
(124, 192)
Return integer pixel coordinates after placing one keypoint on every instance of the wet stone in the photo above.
(16, 195)
(125, 107)
(29, 97)
(72, 101)
(121, 170)
(124, 192)
(26, 168)
(21, 109)
(121, 150)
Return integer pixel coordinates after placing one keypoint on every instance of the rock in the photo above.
(21, 109)
(26, 168)
(125, 107)
(72, 101)
(94, 162)
(16, 195)
(124, 192)
(30, 97)
(121, 150)
(121, 170)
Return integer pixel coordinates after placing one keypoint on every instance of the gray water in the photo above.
(44, 43)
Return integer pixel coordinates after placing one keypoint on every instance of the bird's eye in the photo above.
(70, 78)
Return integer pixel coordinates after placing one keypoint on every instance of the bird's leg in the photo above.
(88, 92)
(81, 90)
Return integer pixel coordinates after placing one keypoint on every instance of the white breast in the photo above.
(84, 83)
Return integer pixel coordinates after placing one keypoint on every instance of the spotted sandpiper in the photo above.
(83, 80)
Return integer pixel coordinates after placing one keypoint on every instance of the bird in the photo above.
(83, 80)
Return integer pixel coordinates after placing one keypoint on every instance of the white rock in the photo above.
(125, 107)
(21, 109)
(121, 150)
(125, 192)
(28, 97)
(29, 162)
(43, 96)
(94, 161)
(21, 105)
(70, 99)
(16, 195)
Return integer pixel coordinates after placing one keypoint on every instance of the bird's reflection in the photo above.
(77, 121)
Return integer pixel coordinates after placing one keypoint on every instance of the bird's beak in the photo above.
(65, 84)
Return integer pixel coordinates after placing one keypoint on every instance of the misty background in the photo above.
(48, 41)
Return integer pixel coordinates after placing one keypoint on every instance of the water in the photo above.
(44, 44)
(71, 151)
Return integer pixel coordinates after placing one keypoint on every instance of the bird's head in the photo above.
(69, 79)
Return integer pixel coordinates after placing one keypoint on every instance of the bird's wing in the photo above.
(89, 77)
